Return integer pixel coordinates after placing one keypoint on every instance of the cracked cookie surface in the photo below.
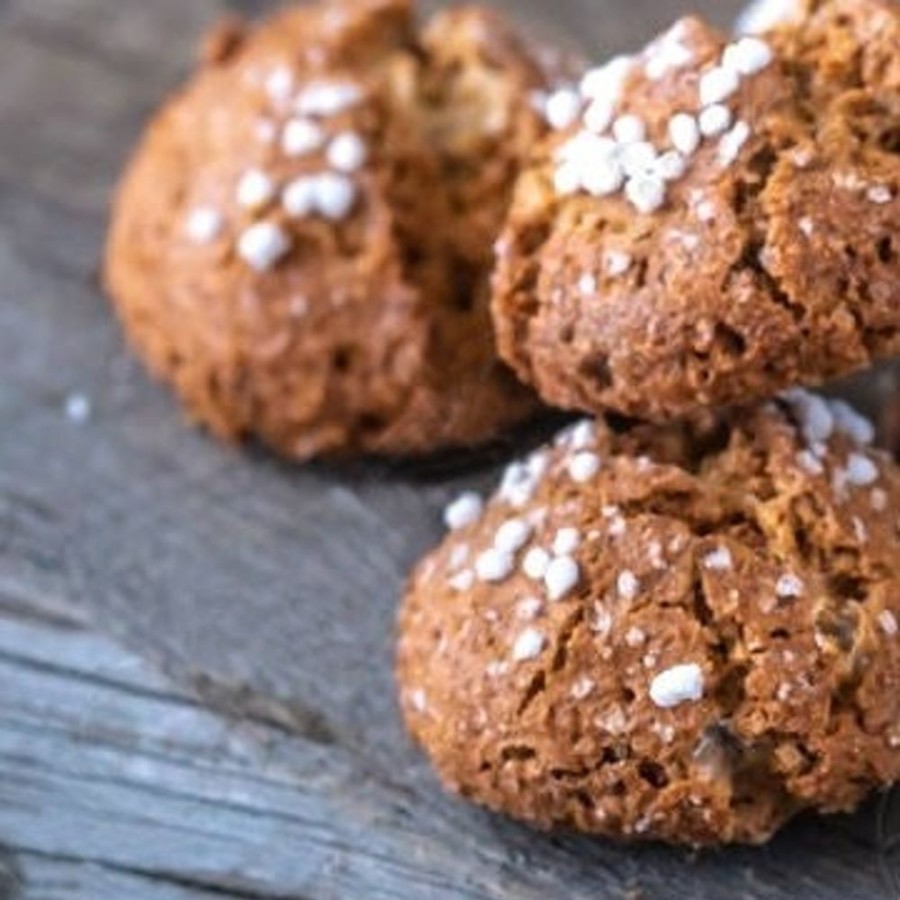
(302, 243)
(685, 634)
(718, 225)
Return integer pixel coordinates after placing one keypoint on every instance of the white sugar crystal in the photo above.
(715, 120)
(462, 581)
(627, 585)
(418, 700)
(861, 471)
(494, 565)
(748, 56)
(326, 98)
(512, 535)
(670, 166)
(629, 129)
(815, 415)
(299, 197)
(520, 480)
(335, 196)
(465, 510)
(263, 245)
(880, 194)
(668, 54)
(680, 684)
(204, 224)
(851, 423)
(529, 608)
(583, 434)
(347, 152)
(646, 194)
(566, 541)
(720, 560)
(599, 115)
(888, 622)
(535, 564)
(761, 16)
(280, 84)
(78, 408)
(718, 84)
(684, 133)
(789, 586)
(561, 577)
(528, 645)
(300, 137)
(807, 226)
(566, 179)
(607, 82)
(582, 688)
(603, 178)
(562, 109)
(587, 285)
(583, 466)
(255, 189)
(731, 144)
(617, 263)
(638, 159)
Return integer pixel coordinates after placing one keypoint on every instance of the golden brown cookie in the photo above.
(685, 634)
(302, 243)
(719, 224)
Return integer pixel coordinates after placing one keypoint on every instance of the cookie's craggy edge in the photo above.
(799, 707)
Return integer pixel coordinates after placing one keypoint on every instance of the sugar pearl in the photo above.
(324, 98)
(646, 194)
(562, 109)
(629, 129)
(512, 535)
(299, 197)
(347, 152)
(335, 196)
(561, 577)
(717, 84)
(255, 189)
(583, 466)
(300, 137)
(732, 142)
(465, 510)
(494, 565)
(262, 245)
(535, 564)
(566, 541)
(748, 56)
(680, 684)
(528, 645)
(684, 133)
(204, 224)
(715, 120)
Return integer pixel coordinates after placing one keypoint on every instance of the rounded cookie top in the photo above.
(303, 240)
(718, 225)
(685, 634)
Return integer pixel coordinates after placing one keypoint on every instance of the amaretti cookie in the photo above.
(719, 224)
(302, 243)
(681, 633)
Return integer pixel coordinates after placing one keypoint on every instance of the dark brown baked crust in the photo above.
(366, 332)
(763, 551)
(777, 268)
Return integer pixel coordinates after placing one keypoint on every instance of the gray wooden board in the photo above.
(267, 593)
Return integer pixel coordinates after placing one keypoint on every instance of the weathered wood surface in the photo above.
(268, 593)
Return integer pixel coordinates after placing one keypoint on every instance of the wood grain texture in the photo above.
(268, 592)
